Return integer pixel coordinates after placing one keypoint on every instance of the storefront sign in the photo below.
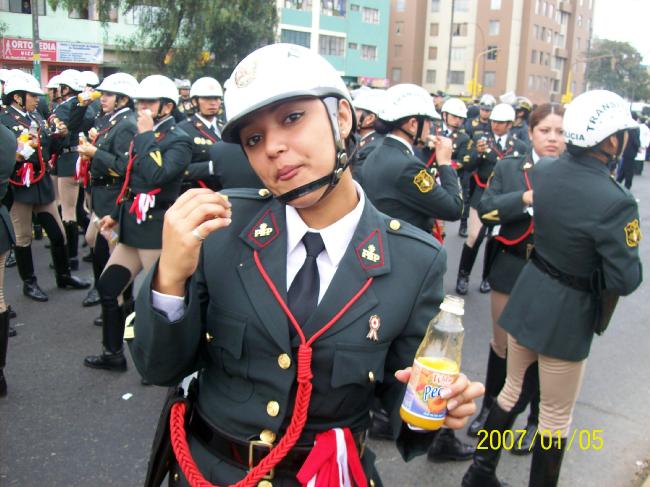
(53, 51)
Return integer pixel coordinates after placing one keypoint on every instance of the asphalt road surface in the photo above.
(64, 425)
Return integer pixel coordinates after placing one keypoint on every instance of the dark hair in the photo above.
(543, 111)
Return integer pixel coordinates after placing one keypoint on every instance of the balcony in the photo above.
(566, 6)
(560, 52)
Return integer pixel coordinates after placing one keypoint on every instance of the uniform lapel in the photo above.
(266, 233)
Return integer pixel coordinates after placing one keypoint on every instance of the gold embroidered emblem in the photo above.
(157, 157)
(492, 216)
(197, 140)
(370, 254)
(263, 231)
(424, 181)
(246, 74)
(633, 233)
(527, 166)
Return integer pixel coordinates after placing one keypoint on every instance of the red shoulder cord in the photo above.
(500, 155)
(528, 231)
(301, 405)
(41, 164)
(432, 159)
(127, 176)
(83, 169)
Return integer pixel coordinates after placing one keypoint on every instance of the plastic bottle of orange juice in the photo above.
(436, 365)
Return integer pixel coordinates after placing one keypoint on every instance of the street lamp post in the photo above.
(568, 94)
(475, 83)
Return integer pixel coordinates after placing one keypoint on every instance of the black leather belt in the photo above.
(105, 181)
(575, 282)
(66, 150)
(247, 454)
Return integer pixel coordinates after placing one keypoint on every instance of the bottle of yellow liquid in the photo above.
(436, 366)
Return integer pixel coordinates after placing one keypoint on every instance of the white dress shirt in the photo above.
(210, 125)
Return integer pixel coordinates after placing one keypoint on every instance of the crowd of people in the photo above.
(280, 218)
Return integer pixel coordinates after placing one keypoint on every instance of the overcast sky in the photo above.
(624, 20)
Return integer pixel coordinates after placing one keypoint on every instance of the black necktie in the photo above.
(303, 292)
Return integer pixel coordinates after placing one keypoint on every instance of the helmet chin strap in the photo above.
(417, 138)
(341, 160)
(620, 137)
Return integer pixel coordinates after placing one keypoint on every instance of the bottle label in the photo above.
(428, 377)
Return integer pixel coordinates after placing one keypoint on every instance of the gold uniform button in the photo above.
(208, 337)
(267, 436)
(265, 483)
(273, 408)
(284, 361)
(176, 477)
(371, 376)
(263, 192)
(394, 225)
(372, 483)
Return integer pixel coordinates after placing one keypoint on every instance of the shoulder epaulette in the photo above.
(400, 227)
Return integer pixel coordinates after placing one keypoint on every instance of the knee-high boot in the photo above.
(546, 464)
(495, 377)
(64, 279)
(72, 242)
(25, 264)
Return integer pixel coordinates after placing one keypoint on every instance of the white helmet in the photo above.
(503, 112)
(89, 78)
(206, 87)
(120, 83)
(487, 102)
(273, 73)
(370, 100)
(454, 106)
(157, 86)
(53, 82)
(4, 74)
(73, 79)
(182, 84)
(595, 115)
(21, 81)
(407, 100)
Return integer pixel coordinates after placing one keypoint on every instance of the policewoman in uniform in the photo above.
(523, 106)
(485, 151)
(33, 191)
(184, 107)
(507, 204)
(284, 283)
(155, 161)
(480, 125)
(108, 155)
(366, 106)
(398, 183)
(587, 236)
(204, 130)
(8, 147)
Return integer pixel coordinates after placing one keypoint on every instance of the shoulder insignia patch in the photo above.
(492, 216)
(633, 233)
(424, 181)
(264, 231)
(370, 252)
(157, 157)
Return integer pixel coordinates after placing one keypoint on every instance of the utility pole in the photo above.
(451, 37)
(36, 41)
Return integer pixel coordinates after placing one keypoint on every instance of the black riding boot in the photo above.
(495, 377)
(72, 241)
(64, 279)
(25, 265)
(467, 258)
(546, 464)
(446, 447)
(4, 340)
(112, 356)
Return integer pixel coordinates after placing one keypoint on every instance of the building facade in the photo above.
(406, 48)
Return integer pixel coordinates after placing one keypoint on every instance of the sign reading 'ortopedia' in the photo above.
(53, 51)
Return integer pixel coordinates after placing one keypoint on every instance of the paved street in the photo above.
(64, 425)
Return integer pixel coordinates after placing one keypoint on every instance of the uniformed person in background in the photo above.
(204, 129)
(318, 244)
(156, 159)
(184, 108)
(367, 105)
(108, 152)
(231, 167)
(485, 151)
(439, 98)
(4, 74)
(32, 186)
(53, 92)
(398, 183)
(507, 204)
(523, 106)
(479, 126)
(587, 236)
(8, 146)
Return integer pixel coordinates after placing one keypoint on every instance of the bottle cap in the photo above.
(453, 304)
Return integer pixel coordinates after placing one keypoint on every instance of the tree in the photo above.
(189, 38)
(616, 66)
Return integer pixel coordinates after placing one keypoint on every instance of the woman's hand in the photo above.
(527, 197)
(444, 149)
(460, 398)
(107, 223)
(87, 150)
(196, 214)
(145, 121)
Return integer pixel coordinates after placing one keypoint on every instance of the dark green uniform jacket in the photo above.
(502, 205)
(72, 114)
(236, 335)
(232, 168)
(158, 162)
(460, 140)
(7, 163)
(108, 166)
(521, 132)
(366, 146)
(482, 164)
(475, 128)
(199, 169)
(583, 220)
(399, 184)
(41, 192)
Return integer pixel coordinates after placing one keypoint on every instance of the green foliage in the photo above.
(616, 66)
(189, 38)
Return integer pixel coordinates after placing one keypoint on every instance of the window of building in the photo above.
(556, 86)
(396, 75)
(431, 76)
(332, 8)
(551, 10)
(456, 77)
(397, 50)
(531, 82)
(536, 31)
(493, 27)
(370, 15)
(461, 6)
(435, 6)
(489, 79)
(90, 11)
(21, 6)
(368, 53)
(537, 6)
(533, 56)
(433, 30)
(457, 53)
(400, 5)
(495, 4)
(295, 37)
(578, 43)
(134, 15)
(579, 20)
(352, 45)
(492, 52)
(564, 18)
(399, 27)
(459, 29)
(331, 45)
(542, 33)
(433, 53)
(559, 64)
(354, 7)
(298, 4)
